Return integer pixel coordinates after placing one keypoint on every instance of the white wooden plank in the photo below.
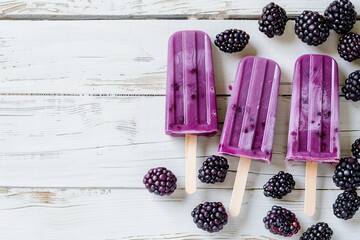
(57, 141)
(129, 57)
(84, 9)
(95, 214)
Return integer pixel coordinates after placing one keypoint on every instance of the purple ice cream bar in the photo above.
(250, 119)
(190, 90)
(314, 117)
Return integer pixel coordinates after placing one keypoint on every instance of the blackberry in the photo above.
(279, 185)
(311, 28)
(273, 20)
(160, 181)
(346, 205)
(232, 40)
(318, 231)
(349, 47)
(355, 148)
(341, 16)
(347, 174)
(210, 216)
(281, 221)
(351, 89)
(213, 170)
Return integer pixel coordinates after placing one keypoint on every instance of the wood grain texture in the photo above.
(115, 214)
(59, 141)
(129, 57)
(182, 9)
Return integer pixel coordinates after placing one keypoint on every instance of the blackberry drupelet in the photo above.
(355, 148)
(341, 16)
(346, 205)
(279, 185)
(281, 221)
(347, 174)
(232, 40)
(213, 169)
(210, 216)
(351, 89)
(160, 181)
(312, 28)
(318, 231)
(273, 20)
(349, 46)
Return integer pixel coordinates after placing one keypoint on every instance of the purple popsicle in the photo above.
(314, 118)
(190, 91)
(190, 95)
(250, 119)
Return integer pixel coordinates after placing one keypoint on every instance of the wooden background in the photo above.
(82, 119)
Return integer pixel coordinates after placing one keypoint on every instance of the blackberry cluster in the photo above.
(210, 216)
(213, 169)
(341, 16)
(355, 148)
(318, 231)
(279, 185)
(312, 28)
(160, 181)
(347, 174)
(349, 46)
(346, 205)
(281, 221)
(232, 40)
(351, 89)
(273, 20)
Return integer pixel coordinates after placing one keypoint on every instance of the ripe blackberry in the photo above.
(232, 40)
(319, 231)
(355, 148)
(349, 46)
(279, 185)
(210, 216)
(160, 181)
(213, 170)
(346, 205)
(281, 221)
(273, 20)
(311, 28)
(341, 16)
(347, 174)
(351, 89)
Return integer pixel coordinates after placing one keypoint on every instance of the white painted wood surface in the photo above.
(120, 9)
(112, 57)
(94, 214)
(82, 116)
(111, 141)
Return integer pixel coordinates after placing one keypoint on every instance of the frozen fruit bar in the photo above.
(190, 91)
(314, 116)
(250, 119)
(190, 95)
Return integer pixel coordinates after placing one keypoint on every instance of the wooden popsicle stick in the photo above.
(239, 186)
(310, 188)
(190, 163)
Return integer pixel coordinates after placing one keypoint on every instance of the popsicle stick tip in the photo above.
(234, 212)
(190, 189)
(309, 212)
